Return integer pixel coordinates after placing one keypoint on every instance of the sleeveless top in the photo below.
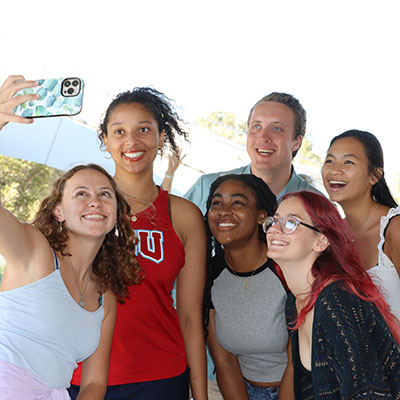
(148, 343)
(250, 323)
(45, 332)
(384, 274)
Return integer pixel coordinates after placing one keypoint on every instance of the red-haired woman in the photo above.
(345, 340)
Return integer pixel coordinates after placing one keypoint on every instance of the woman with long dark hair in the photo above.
(345, 341)
(244, 297)
(353, 175)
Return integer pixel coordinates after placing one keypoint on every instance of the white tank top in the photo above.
(44, 331)
(385, 274)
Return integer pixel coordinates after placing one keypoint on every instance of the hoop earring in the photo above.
(108, 158)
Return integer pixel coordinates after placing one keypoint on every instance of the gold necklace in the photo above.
(246, 284)
(146, 202)
(82, 301)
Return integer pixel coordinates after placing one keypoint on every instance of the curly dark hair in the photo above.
(115, 266)
(158, 105)
(265, 200)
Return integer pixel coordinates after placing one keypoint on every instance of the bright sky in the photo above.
(339, 58)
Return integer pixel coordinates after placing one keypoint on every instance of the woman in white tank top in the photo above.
(353, 176)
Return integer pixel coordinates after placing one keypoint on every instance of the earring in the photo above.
(60, 226)
(108, 158)
(116, 231)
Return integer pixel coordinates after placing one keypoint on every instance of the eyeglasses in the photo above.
(288, 224)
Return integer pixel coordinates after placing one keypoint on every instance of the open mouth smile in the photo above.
(337, 184)
(94, 217)
(133, 156)
(226, 225)
(265, 152)
(277, 242)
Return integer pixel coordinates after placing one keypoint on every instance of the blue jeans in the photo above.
(262, 393)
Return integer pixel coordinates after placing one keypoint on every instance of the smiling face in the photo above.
(270, 138)
(88, 206)
(301, 247)
(345, 171)
(133, 138)
(233, 216)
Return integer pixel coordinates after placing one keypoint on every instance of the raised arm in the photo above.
(17, 240)
(20, 244)
(229, 375)
(189, 225)
(174, 160)
(7, 102)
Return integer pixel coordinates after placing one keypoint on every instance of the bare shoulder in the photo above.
(110, 304)
(187, 218)
(392, 233)
(31, 261)
(185, 207)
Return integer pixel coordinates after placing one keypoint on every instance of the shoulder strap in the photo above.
(56, 262)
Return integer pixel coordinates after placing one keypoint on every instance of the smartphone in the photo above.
(57, 97)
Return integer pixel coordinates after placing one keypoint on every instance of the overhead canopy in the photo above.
(57, 142)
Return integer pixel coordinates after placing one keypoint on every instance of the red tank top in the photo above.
(148, 343)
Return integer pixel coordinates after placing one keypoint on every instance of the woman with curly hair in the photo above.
(53, 313)
(345, 341)
(63, 276)
(156, 347)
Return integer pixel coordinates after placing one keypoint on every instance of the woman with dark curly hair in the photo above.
(53, 313)
(156, 348)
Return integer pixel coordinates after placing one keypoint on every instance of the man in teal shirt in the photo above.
(276, 127)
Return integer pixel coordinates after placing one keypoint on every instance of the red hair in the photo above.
(340, 261)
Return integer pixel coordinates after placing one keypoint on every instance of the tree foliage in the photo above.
(230, 126)
(24, 185)
(225, 124)
(306, 152)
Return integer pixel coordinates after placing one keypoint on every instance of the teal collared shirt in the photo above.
(199, 192)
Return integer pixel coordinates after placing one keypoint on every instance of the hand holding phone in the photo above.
(8, 103)
(56, 97)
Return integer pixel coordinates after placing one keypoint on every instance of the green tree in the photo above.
(24, 184)
(306, 153)
(225, 124)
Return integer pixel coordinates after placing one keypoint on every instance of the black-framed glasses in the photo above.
(288, 224)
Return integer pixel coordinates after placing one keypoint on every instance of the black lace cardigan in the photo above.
(354, 355)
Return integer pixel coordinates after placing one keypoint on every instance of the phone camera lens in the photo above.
(70, 90)
(75, 82)
(67, 83)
